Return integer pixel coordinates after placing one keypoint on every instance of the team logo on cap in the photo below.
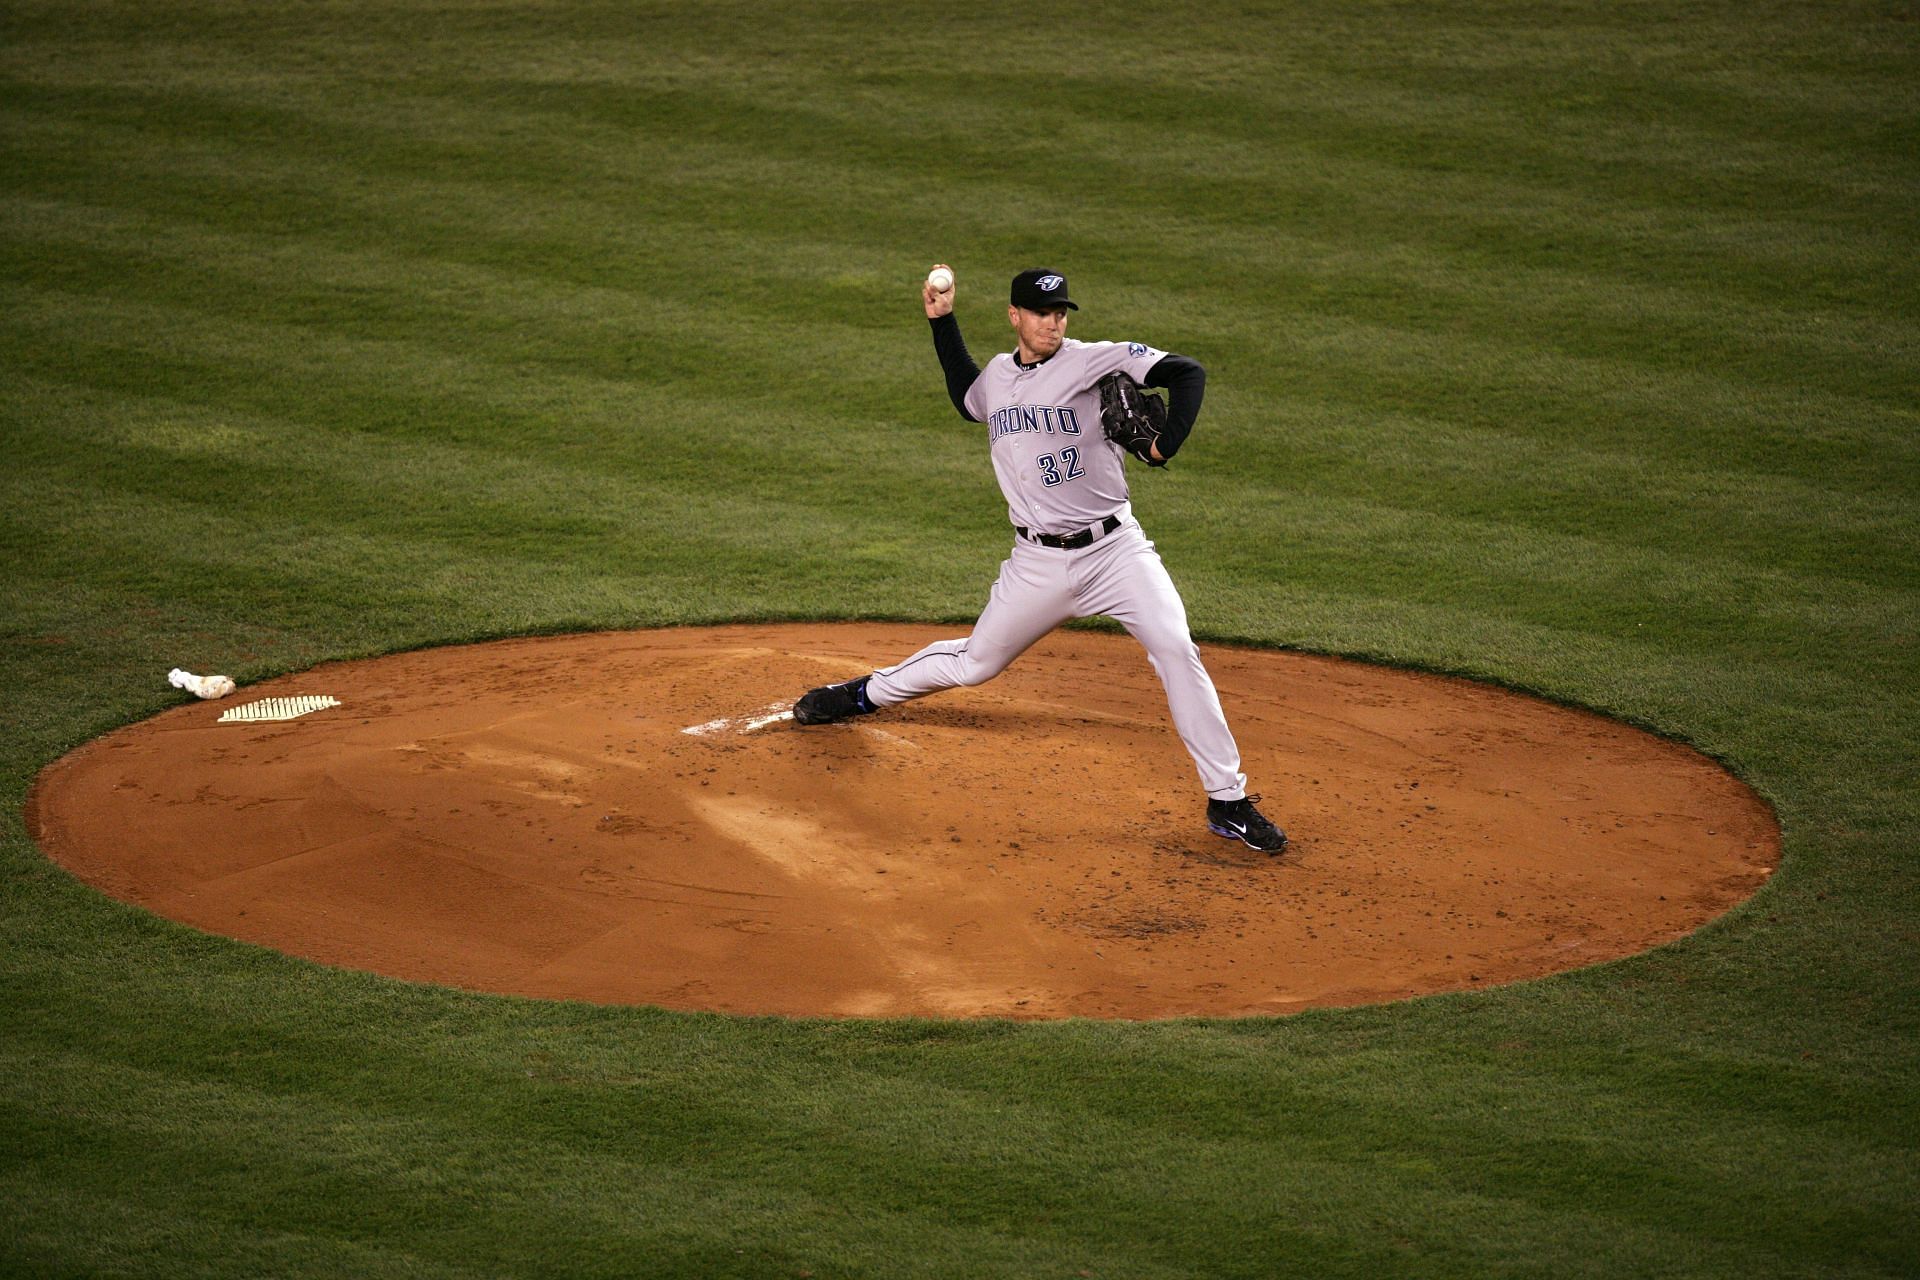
(1049, 283)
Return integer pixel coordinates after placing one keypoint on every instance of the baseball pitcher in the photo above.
(1061, 417)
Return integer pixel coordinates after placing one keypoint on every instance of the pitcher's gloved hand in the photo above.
(1132, 416)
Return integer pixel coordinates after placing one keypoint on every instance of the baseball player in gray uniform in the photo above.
(1077, 551)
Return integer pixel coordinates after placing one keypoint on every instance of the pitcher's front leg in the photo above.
(1135, 590)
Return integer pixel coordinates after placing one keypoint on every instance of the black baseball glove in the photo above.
(1133, 416)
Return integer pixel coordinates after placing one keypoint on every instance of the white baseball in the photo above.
(941, 279)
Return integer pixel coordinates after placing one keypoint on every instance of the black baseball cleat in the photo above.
(833, 702)
(1239, 820)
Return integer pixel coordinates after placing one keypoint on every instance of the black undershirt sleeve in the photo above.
(955, 361)
(1186, 384)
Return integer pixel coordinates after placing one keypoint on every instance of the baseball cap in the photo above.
(1040, 288)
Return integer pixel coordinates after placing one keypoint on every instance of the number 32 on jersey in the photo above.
(1050, 467)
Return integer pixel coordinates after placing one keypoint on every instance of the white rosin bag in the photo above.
(200, 686)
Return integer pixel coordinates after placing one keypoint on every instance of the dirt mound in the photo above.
(617, 817)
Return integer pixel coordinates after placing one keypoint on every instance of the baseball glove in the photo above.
(1132, 416)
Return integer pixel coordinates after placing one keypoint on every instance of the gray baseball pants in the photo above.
(1039, 588)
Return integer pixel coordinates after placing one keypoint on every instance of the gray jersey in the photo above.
(1056, 467)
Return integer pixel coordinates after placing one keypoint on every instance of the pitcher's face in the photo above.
(1040, 332)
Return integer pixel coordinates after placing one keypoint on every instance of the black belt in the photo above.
(1073, 541)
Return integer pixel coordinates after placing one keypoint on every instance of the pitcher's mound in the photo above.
(617, 817)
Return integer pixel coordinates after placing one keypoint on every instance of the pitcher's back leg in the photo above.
(1029, 599)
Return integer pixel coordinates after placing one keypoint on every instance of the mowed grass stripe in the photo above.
(1676, 104)
(615, 332)
(1676, 416)
(809, 133)
(441, 408)
(638, 157)
(1650, 310)
(161, 1121)
(636, 103)
(1332, 444)
(1114, 1128)
(520, 338)
(616, 438)
(1579, 381)
(1552, 576)
(1783, 417)
(318, 191)
(518, 316)
(135, 1229)
(473, 1194)
(1313, 283)
(325, 506)
(1544, 555)
(339, 476)
(1310, 283)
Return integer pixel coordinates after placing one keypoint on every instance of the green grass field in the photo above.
(1571, 346)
